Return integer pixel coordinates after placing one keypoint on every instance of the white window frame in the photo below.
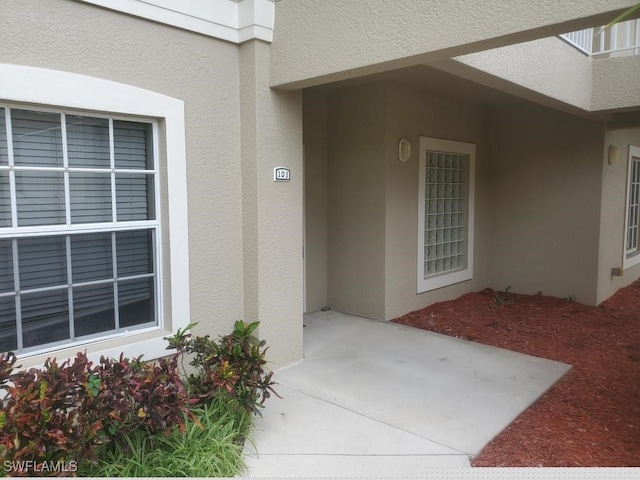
(44, 88)
(432, 282)
(69, 227)
(631, 257)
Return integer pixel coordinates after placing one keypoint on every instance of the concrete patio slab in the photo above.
(370, 393)
(301, 434)
(351, 466)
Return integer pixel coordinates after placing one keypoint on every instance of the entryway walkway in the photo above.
(378, 399)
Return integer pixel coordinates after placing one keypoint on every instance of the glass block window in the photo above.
(78, 228)
(445, 220)
(632, 237)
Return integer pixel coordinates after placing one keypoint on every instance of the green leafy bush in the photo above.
(64, 414)
(209, 446)
(234, 363)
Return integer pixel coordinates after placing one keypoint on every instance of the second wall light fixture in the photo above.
(404, 149)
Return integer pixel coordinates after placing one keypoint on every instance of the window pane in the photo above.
(42, 262)
(88, 142)
(4, 156)
(132, 144)
(91, 257)
(136, 302)
(134, 197)
(37, 138)
(93, 309)
(40, 197)
(90, 195)
(5, 199)
(45, 317)
(633, 220)
(6, 267)
(135, 253)
(8, 331)
(445, 211)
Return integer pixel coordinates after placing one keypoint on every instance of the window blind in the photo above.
(91, 257)
(42, 262)
(5, 199)
(40, 198)
(90, 196)
(37, 138)
(4, 155)
(8, 329)
(88, 142)
(69, 284)
(7, 302)
(6, 266)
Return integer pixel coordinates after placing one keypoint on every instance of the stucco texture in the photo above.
(614, 199)
(272, 211)
(203, 72)
(356, 186)
(318, 41)
(316, 169)
(365, 236)
(537, 195)
(413, 113)
(546, 187)
(615, 83)
(562, 73)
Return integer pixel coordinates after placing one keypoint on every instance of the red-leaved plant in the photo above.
(43, 420)
(59, 414)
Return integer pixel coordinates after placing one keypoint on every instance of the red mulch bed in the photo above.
(591, 416)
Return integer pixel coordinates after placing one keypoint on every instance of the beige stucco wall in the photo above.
(272, 211)
(614, 198)
(546, 186)
(316, 164)
(547, 71)
(372, 197)
(537, 199)
(319, 41)
(412, 113)
(75, 37)
(356, 200)
(615, 83)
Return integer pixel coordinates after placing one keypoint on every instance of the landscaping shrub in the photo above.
(59, 414)
(234, 363)
(65, 415)
(135, 395)
(208, 446)
(44, 421)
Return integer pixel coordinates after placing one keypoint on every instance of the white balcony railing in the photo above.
(623, 38)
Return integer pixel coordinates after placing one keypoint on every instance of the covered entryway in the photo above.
(361, 198)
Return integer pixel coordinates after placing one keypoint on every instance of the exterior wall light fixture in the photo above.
(404, 149)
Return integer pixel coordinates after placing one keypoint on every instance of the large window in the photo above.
(78, 227)
(445, 213)
(632, 224)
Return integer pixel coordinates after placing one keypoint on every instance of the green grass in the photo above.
(211, 449)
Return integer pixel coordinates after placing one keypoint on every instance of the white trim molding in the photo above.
(57, 89)
(446, 226)
(631, 253)
(235, 21)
